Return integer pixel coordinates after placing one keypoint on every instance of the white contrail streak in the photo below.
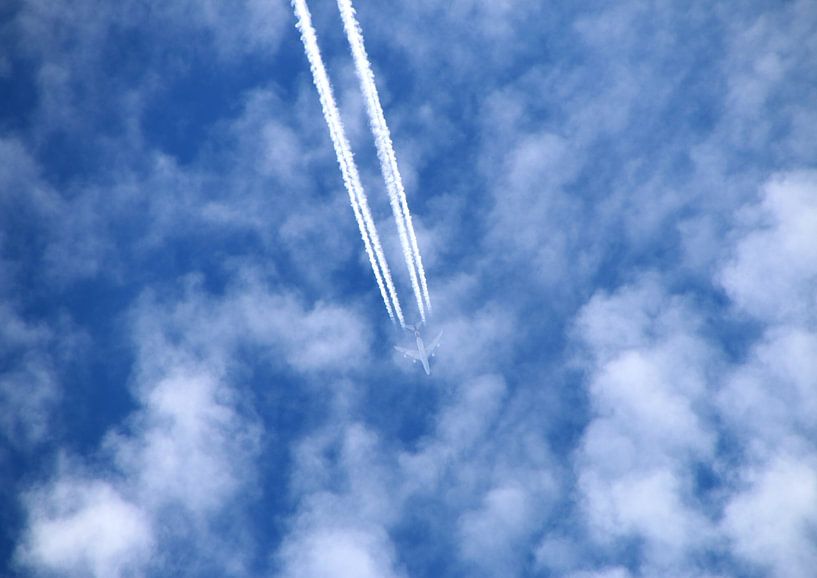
(348, 169)
(386, 155)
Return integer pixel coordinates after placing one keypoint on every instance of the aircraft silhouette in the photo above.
(422, 353)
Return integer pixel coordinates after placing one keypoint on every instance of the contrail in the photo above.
(348, 169)
(386, 155)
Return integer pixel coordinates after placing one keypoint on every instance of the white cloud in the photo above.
(648, 373)
(22, 187)
(350, 481)
(648, 504)
(651, 377)
(527, 171)
(557, 554)
(190, 442)
(82, 527)
(185, 454)
(321, 337)
(772, 521)
(341, 552)
(773, 268)
(419, 28)
(187, 450)
(461, 430)
(647, 385)
(770, 400)
(614, 572)
(643, 395)
(29, 391)
(71, 43)
(768, 53)
(495, 534)
(33, 352)
(348, 497)
(529, 198)
(487, 466)
(234, 28)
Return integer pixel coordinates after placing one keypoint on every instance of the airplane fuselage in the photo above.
(423, 355)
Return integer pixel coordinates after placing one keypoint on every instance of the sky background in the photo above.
(616, 205)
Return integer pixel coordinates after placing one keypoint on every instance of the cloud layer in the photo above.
(617, 209)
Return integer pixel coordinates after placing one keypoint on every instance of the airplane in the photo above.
(422, 353)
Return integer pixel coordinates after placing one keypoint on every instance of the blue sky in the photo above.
(616, 205)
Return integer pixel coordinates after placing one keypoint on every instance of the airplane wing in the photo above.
(415, 355)
(434, 344)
